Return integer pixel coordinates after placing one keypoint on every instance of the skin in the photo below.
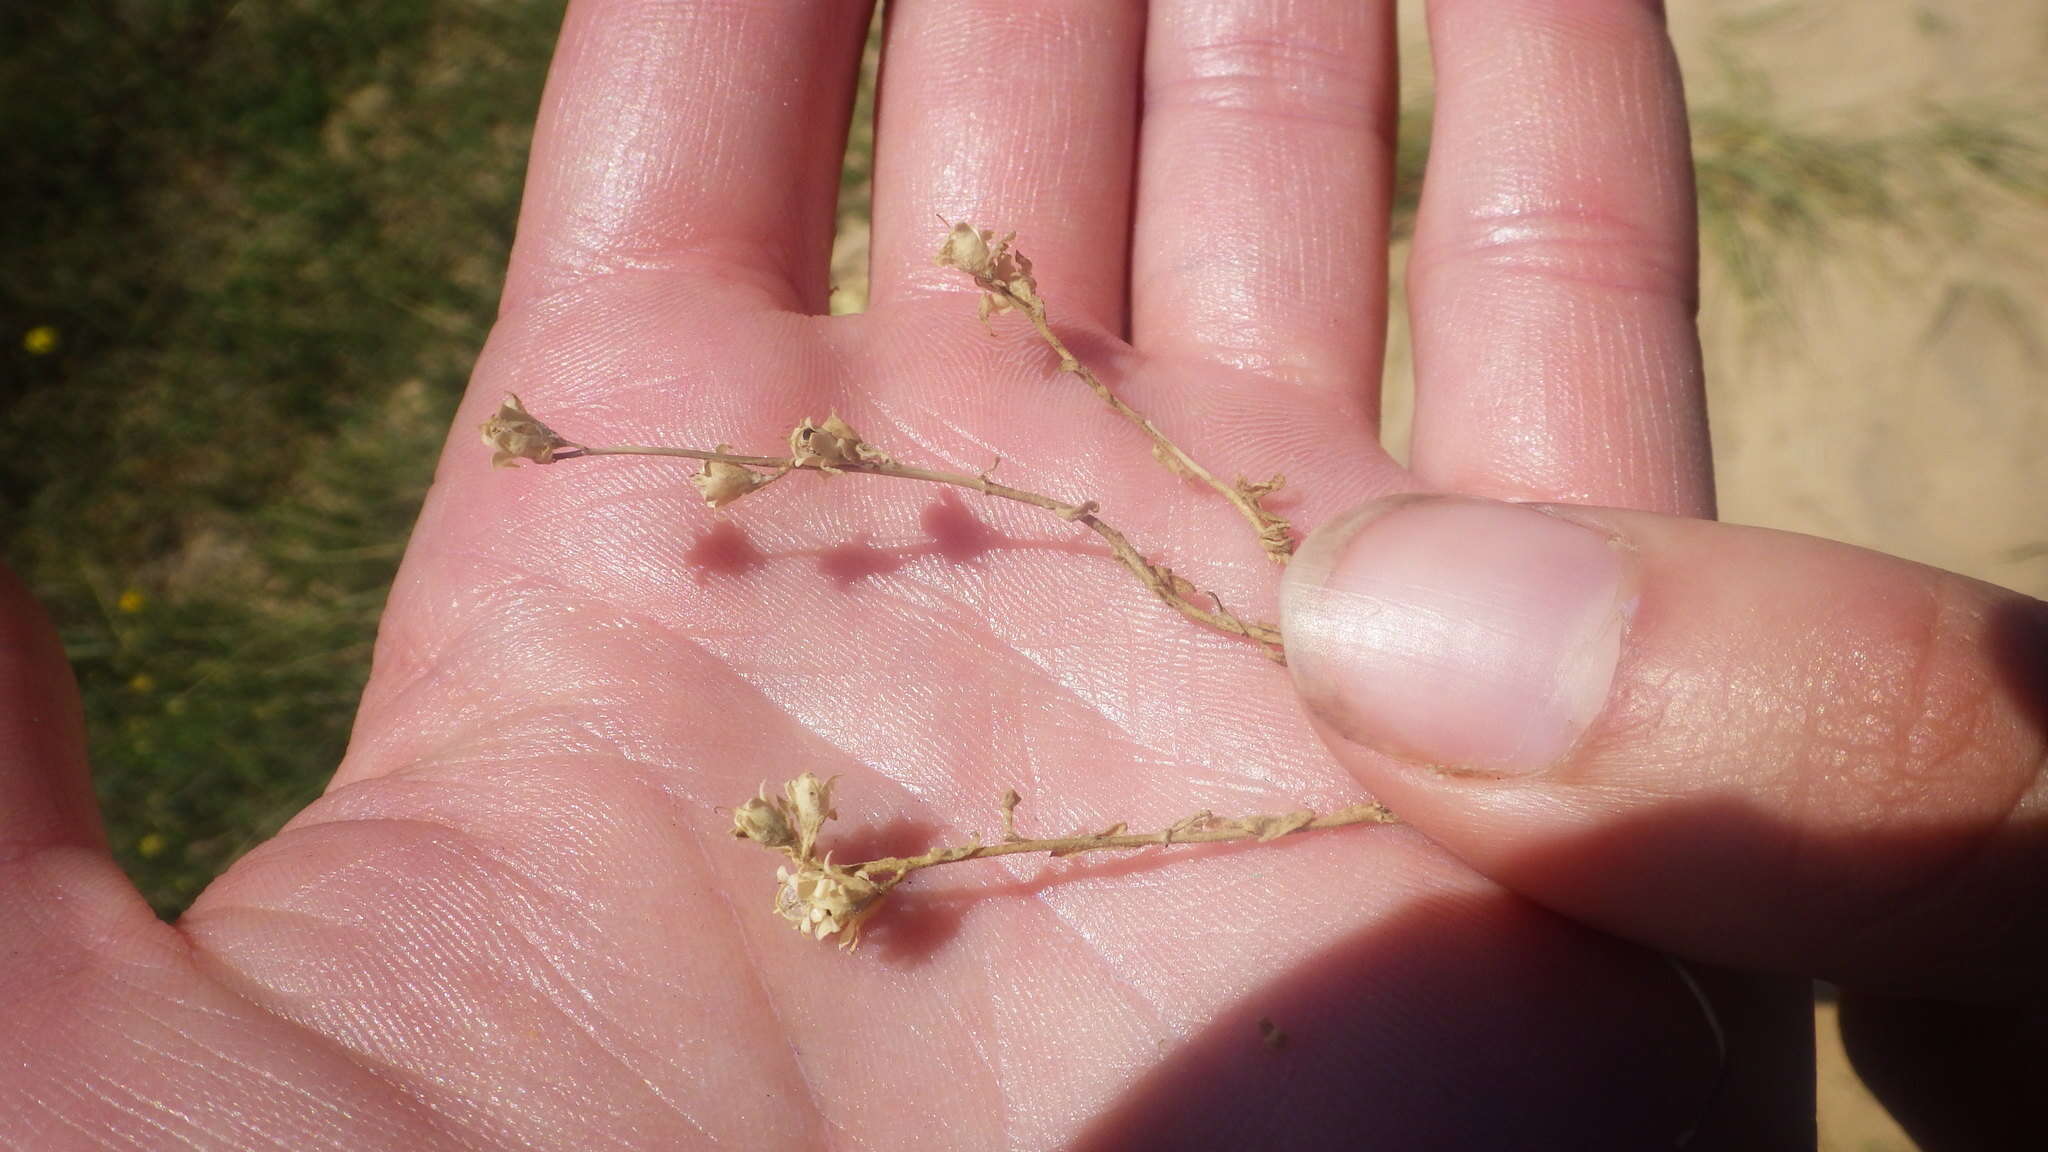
(516, 918)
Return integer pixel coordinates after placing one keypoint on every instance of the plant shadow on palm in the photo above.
(953, 532)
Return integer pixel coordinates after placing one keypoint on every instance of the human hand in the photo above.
(1744, 747)
(516, 918)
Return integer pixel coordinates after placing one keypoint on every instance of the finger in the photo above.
(680, 128)
(45, 789)
(1019, 118)
(1750, 747)
(1552, 281)
(1263, 188)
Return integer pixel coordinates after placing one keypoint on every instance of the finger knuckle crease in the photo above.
(1270, 78)
(1567, 245)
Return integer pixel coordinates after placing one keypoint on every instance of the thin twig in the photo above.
(1272, 531)
(1004, 274)
(1169, 587)
(1201, 828)
(575, 450)
(820, 898)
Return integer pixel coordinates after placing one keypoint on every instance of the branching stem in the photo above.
(1171, 589)
(820, 898)
(1004, 275)
(816, 896)
(1272, 532)
(1201, 828)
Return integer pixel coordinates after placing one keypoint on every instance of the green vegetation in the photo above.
(247, 255)
(1771, 194)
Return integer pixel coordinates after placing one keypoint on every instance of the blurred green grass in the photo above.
(267, 239)
(247, 255)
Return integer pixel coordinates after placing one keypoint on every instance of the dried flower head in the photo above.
(516, 435)
(830, 445)
(1276, 535)
(820, 899)
(722, 482)
(970, 250)
(765, 821)
(1002, 272)
(810, 805)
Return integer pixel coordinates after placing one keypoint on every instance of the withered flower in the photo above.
(516, 435)
(966, 248)
(820, 899)
(722, 482)
(1002, 272)
(830, 445)
(809, 805)
(765, 821)
(1276, 535)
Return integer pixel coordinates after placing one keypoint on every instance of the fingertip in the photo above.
(46, 794)
(1790, 754)
(684, 129)
(1553, 277)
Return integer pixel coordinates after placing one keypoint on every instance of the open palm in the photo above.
(516, 918)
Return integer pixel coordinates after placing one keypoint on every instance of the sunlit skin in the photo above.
(517, 917)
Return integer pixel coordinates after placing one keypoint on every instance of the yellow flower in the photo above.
(142, 682)
(151, 846)
(131, 602)
(40, 340)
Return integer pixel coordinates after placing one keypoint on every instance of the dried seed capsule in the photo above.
(764, 821)
(722, 482)
(516, 435)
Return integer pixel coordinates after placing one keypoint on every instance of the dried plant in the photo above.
(821, 899)
(834, 447)
(1004, 276)
(817, 896)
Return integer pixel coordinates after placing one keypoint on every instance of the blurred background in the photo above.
(249, 251)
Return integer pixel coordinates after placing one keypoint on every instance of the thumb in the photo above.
(1744, 746)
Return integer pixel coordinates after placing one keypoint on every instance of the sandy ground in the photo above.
(1908, 408)
(1895, 394)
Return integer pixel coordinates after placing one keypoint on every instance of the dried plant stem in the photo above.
(575, 450)
(1201, 828)
(1003, 273)
(1171, 589)
(1272, 532)
(820, 898)
(816, 896)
